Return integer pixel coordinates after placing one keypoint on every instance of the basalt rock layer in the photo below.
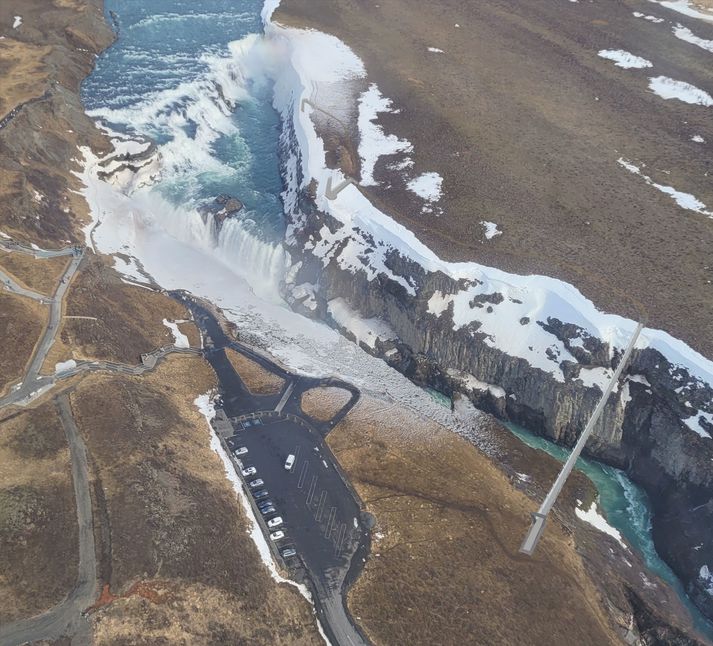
(646, 428)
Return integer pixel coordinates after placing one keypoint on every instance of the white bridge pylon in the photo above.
(539, 518)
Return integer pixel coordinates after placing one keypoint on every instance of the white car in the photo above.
(274, 522)
(241, 450)
(256, 483)
(249, 471)
(289, 463)
(276, 536)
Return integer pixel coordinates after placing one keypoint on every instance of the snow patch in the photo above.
(650, 18)
(17, 22)
(668, 88)
(435, 50)
(625, 59)
(180, 340)
(427, 186)
(684, 200)
(595, 519)
(684, 33)
(694, 423)
(64, 366)
(491, 229)
(706, 576)
(472, 383)
(373, 142)
(684, 7)
(698, 139)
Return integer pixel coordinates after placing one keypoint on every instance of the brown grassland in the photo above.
(445, 566)
(21, 323)
(38, 521)
(38, 274)
(258, 380)
(129, 319)
(324, 403)
(173, 536)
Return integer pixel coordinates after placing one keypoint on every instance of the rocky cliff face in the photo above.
(655, 425)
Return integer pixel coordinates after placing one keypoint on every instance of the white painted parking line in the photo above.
(339, 541)
(320, 506)
(303, 474)
(298, 449)
(328, 530)
(310, 495)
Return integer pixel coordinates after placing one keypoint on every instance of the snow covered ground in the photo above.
(625, 59)
(684, 200)
(180, 340)
(684, 7)
(668, 88)
(595, 519)
(374, 143)
(685, 34)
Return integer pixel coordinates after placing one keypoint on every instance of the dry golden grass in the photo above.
(445, 566)
(174, 519)
(129, 319)
(39, 274)
(21, 323)
(258, 380)
(324, 403)
(38, 523)
(22, 73)
(197, 614)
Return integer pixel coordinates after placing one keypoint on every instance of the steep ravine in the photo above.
(641, 431)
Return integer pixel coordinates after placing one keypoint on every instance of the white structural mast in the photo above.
(539, 517)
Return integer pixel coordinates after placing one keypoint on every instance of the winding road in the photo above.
(67, 618)
(9, 284)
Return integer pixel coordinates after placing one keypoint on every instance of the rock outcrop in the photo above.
(223, 207)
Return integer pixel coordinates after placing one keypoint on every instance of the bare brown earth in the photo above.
(324, 403)
(258, 380)
(21, 322)
(525, 123)
(445, 566)
(42, 63)
(172, 536)
(129, 319)
(38, 522)
(38, 274)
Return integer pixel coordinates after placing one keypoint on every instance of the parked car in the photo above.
(259, 495)
(288, 553)
(274, 522)
(264, 503)
(241, 450)
(256, 484)
(266, 511)
(249, 471)
(276, 536)
(289, 463)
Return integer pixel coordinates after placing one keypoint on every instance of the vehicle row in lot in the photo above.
(264, 504)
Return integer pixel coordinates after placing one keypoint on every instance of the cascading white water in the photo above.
(204, 126)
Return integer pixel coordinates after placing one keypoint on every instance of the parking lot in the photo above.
(321, 516)
(321, 519)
